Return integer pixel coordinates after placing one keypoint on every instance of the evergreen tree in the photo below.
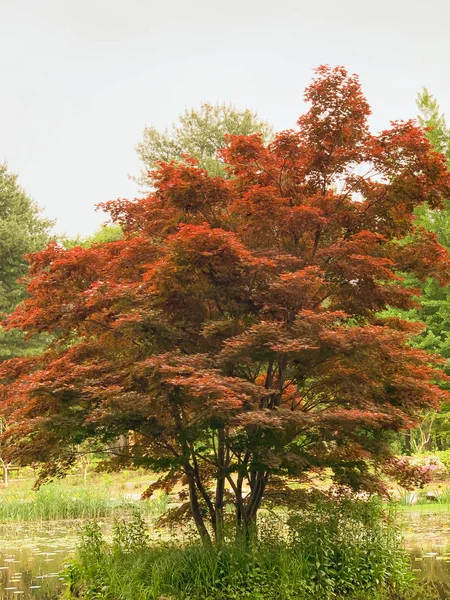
(23, 229)
(434, 307)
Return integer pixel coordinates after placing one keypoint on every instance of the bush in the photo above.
(348, 547)
(433, 466)
(444, 457)
(340, 549)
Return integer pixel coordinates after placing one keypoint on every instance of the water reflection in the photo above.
(32, 556)
(427, 538)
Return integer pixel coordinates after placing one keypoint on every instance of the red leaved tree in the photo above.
(236, 329)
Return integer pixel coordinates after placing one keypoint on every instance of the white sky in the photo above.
(81, 78)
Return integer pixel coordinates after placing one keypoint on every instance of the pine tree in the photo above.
(434, 304)
(23, 229)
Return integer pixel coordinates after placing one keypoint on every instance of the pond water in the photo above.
(33, 555)
(427, 539)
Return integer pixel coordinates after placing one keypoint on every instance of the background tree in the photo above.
(199, 133)
(106, 233)
(434, 308)
(23, 229)
(431, 118)
(235, 329)
(434, 312)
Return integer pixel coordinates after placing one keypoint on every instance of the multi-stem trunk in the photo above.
(247, 509)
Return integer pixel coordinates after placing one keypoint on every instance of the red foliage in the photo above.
(235, 329)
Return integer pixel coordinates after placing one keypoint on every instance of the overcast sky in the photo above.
(81, 78)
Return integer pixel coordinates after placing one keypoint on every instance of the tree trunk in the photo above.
(220, 487)
(196, 512)
(247, 515)
(408, 448)
(5, 467)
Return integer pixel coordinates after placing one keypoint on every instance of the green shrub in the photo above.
(444, 457)
(347, 549)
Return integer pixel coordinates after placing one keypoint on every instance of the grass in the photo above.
(348, 550)
(58, 501)
(429, 508)
(124, 481)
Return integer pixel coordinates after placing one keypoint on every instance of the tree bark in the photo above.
(196, 512)
(408, 449)
(247, 513)
(5, 467)
(220, 487)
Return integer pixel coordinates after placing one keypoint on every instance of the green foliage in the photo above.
(23, 229)
(444, 457)
(55, 501)
(435, 498)
(346, 549)
(434, 312)
(434, 308)
(349, 546)
(106, 233)
(130, 535)
(199, 133)
(431, 117)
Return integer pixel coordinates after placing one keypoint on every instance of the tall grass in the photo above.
(436, 497)
(55, 502)
(332, 550)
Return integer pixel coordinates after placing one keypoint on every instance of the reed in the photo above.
(60, 502)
